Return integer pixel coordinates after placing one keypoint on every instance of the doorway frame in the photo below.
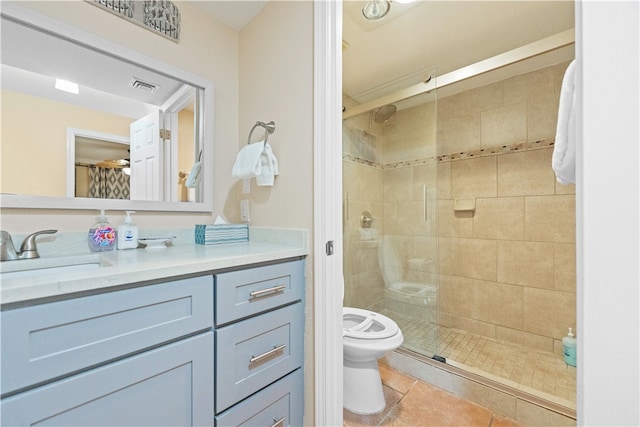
(72, 134)
(327, 186)
(600, 251)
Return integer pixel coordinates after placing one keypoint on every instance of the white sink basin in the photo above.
(50, 266)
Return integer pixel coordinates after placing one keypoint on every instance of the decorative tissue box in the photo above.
(221, 234)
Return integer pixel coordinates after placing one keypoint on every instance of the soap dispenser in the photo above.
(569, 344)
(102, 235)
(128, 233)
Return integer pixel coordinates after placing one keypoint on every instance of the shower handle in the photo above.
(346, 207)
(425, 202)
(366, 220)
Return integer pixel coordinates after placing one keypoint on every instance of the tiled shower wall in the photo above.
(362, 191)
(506, 270)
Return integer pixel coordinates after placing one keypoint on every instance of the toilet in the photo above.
(367, 336)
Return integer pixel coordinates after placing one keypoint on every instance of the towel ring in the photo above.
(268, 128)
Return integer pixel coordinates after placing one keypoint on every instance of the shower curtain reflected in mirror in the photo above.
(102, 183)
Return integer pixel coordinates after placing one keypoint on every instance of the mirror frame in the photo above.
(206, 105)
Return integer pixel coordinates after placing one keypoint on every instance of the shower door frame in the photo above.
(328, 187)
(593, 47)
(398, 260)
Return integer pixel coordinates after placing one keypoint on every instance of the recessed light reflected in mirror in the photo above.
(67, 86)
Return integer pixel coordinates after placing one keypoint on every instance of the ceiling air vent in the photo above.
(146, 86)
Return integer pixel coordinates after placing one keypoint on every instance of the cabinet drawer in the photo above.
(279, 405)
(255, 352)
(43, 342)
(169, 386)
(243, 293)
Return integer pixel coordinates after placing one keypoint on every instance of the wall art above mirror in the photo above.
(53, 140)
(160, 16)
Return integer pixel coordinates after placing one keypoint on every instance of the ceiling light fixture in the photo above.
(67, 86)
(376, 9)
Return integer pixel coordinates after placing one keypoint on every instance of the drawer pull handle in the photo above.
(256, 359)
(274, 289)
(277, 423)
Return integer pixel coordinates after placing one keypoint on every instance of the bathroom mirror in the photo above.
(162, 113)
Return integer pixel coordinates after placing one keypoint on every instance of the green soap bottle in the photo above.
(569, 344)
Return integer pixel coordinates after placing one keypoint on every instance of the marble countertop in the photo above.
(120, 268)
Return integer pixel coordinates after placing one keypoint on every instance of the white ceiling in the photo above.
(235, 14)
(446, 34)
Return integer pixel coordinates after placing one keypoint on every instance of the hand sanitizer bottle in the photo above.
(102, 235)
(127, 233)
(569, 344)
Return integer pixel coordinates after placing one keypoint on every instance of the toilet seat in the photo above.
(365, 324)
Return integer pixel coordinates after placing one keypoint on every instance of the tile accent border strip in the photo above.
(355, 159)
(481, 152)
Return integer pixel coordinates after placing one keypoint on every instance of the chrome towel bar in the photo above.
(268, 129)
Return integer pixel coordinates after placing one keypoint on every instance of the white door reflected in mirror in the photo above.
(146, 158)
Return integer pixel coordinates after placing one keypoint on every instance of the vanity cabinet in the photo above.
(222, 349)
(259, 337)
(140, 356)
(167, 386)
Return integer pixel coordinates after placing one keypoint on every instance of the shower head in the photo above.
(384, 113)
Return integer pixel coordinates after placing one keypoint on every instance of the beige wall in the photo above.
(42, 146)
(186, 155)
(507, 270)
(276, 83)
(207, 48)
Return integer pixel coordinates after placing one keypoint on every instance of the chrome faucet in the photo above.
(28, 249)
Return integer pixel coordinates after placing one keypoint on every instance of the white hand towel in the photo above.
(269, 168)
(563, 160)
(248, 163)
(194, 176)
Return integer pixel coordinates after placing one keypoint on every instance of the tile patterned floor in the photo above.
(411, 402)
(540, 373)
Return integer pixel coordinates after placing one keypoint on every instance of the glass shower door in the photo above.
(390, 216)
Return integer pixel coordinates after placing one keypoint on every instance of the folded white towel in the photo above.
(269, 168)
(248, 161)
(563, 160)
